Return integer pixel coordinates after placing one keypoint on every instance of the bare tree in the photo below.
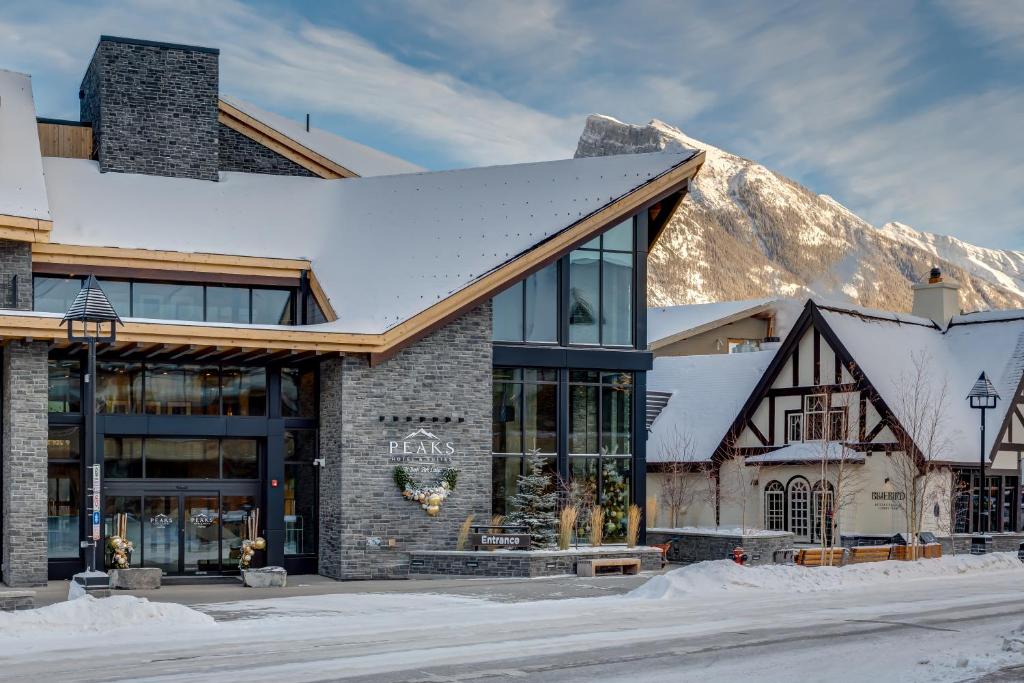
(680, 486)
(922, 438)
(947, 493)
(840, 470)
(736, 480)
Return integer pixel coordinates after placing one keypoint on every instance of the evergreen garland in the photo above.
(533, 506)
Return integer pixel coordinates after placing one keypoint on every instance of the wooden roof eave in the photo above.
(22, 229)
(752, 312)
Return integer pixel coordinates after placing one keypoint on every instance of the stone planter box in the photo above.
(265, 577)
(11, 600)
(686, 546)
(136, 579)
(960, 544)
(521, 563)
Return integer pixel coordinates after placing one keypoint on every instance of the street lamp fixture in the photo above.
(92, 320)
(983, 397)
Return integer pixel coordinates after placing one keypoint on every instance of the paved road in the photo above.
(927, 630)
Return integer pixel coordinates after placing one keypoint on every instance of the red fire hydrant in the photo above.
(739, 556)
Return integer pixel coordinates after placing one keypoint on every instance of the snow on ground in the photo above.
(94, 615)
(726, 575)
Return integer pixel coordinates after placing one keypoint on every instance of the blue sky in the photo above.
(906, 111)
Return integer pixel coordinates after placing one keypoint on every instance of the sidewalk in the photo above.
(502, 590)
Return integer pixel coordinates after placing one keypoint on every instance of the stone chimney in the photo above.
(153, 107)
(938, 300)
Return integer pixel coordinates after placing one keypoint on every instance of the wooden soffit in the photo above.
(20, 229)
(378, 346)
(272, 139)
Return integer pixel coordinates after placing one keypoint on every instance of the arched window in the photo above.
(799, 508)
(823, 499)
(774, 506)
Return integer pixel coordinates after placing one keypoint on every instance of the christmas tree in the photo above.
(533, 506)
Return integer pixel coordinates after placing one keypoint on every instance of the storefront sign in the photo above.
(421, 452)
(888, 500)
(517, 541)
(201, 520)
(161, 521)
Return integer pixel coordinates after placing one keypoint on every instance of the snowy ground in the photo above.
(954, 619)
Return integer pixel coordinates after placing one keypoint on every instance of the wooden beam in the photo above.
(21, 229)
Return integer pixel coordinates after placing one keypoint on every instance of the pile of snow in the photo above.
(89, 614)
(725, 575)
(718, 531)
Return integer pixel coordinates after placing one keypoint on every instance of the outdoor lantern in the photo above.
(92, 320)
(983, 397)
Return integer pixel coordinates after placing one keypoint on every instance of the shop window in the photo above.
(601, 289)
(119, 389)
(528, 310)
(227, 304)
(298, 392)
(122, 458)
(774, 506)
(524, 420)
(163, 301)
(301, 492)
(64, 386)
(244, 391)
(63, 492)
(272, 307)
(54, 294)
(814, 417)
(182, 390)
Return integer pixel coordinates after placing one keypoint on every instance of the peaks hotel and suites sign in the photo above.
(422, 452)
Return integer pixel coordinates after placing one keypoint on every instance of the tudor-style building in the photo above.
(831, 400)
(301, 315)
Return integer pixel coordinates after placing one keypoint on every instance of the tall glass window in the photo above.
(301, 492)
(244, 391)
(298, 392)
(227, 304)
(528, 310)
(54, 294)
(63, 491)
(600, 443)
(182, 390)
(119, 293)
(119, 389)
(601, 289)
(525, 419)
(272, 307)
(65, 386)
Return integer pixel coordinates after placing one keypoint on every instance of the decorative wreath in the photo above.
(429, 497)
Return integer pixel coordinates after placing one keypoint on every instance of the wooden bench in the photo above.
(816, 557)
(869, 553)
(624, 565)
(930, 551)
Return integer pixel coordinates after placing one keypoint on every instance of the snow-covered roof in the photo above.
(886, 350)
(673, 323)
(707, 394)
(22, 192)
(358, 158)
(383, 248)
(806, 451)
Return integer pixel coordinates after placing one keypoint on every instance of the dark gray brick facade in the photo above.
(239, 153)
(511, 564)
(25, 431)
(15, 274)
(153, 109)
(446, 374)
(687, 547)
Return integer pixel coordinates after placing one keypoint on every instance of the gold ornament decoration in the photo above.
(430, 498)
(260, 543)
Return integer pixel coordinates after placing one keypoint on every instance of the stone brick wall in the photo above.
(687, 547)
(239, 153)
(445, 375)
(520, 564)
(153, 108)
(15, 274)
(25, 431)
(1001, 543)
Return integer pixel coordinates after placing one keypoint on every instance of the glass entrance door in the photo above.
(190, 532)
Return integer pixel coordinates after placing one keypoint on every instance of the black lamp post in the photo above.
(92, 320)
(983, 396)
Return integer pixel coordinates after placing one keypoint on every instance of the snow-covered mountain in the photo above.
(747, 232)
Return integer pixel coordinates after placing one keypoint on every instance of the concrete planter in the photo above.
(686, 546)
(522, 563)
(137, 579)
(265, 577)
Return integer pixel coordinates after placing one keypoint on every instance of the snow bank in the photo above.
(89, 614)
(725, 575)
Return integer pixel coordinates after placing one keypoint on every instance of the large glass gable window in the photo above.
(524, 420)
(601, 289)
(528, 310)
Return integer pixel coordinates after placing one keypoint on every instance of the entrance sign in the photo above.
(517, 541)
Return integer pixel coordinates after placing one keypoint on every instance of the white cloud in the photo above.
(1000, 23)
